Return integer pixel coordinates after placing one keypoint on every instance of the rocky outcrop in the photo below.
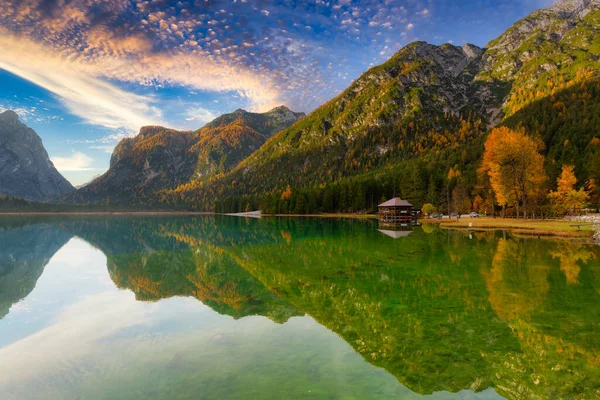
(25, 168)
(573, 8)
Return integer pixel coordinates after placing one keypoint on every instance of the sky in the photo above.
(87, 73)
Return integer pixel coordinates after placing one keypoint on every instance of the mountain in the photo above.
(25, 168)
(159, 158)
(396, 110)
(224, 142)
(155, 159)
(549, 60)
(402, 126)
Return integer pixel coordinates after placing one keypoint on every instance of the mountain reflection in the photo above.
(440, 310)
(24, 252)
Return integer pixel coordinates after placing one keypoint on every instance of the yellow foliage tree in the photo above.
(514, 166)
(287, 194)
(428, 209)
(566, 197)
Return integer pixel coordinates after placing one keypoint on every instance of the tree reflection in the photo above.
(570, 254)
(517, 282)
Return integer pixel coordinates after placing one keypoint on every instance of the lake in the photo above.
(282, 308)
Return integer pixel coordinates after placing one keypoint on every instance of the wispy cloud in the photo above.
(107, 148)
(92, 99)
(199, 114)
(76, 162)
(29, 113)
(83, 50)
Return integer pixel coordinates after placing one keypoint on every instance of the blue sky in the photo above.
(87, 73)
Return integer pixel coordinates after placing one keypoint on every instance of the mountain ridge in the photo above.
(25, 169)
(160, 158)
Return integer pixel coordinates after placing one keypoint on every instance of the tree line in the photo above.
(510, 179)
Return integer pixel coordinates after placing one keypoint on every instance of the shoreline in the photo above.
(522, 227)
(25, 213)
(148, 213)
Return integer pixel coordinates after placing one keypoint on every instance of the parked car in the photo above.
(437, 216)
(474, 215)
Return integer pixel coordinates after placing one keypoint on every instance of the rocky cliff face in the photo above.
(25, 168)
(159, 158)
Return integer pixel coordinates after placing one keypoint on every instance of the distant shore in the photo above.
(148, 213)
(529, 227)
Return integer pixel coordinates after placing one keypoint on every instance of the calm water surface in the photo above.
(226, 308)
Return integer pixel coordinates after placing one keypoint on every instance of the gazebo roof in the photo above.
(395, 202)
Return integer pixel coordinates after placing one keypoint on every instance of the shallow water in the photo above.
(228, 308)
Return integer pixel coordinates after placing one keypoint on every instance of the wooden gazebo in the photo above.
(396, 211)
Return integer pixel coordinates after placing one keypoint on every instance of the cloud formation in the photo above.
(76, 162)
(96, 101)
(79, 50)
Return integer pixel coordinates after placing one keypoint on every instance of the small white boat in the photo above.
(250, 214)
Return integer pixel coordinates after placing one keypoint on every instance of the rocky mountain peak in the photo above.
(278, 109)
(151, 130)
(9, 117)
(472, 51)
(282, 114)
(452, 59)
(574, 8)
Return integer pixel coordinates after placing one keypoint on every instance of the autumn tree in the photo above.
(428, 209)
(566, 197)
(514, 166)
(287, 194)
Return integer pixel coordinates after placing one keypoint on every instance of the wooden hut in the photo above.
(396, 211)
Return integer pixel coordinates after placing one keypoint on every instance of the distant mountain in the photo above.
(25, 168)
(227, 140)
(155, 159)
(159, 158)
(401, 126)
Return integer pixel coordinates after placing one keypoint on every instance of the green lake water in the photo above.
(230, 308)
